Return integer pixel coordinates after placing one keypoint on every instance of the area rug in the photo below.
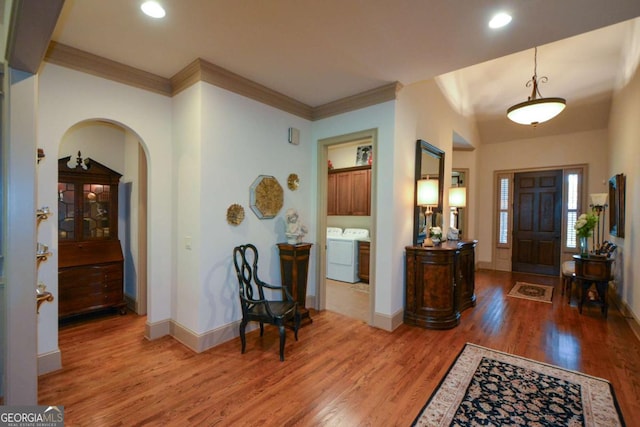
(542, 293)
(491, 388)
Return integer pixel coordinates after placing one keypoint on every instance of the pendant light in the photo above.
(536, 109)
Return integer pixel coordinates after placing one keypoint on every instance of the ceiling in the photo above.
(321, 51)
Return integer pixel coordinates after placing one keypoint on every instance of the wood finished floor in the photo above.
(341, 372)
(350, 299)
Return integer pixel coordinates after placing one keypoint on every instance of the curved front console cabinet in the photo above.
(440, 283)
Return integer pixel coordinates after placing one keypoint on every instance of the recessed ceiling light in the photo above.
(153, 9)
(500, 20)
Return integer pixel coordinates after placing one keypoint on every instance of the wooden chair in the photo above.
(255, 307)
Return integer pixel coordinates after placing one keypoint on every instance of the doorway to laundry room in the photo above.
(346, 282)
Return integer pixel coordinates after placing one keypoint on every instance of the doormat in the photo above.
(532, 291)
(491, 388)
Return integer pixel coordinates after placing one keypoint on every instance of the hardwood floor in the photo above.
(340, 372)
(350, 299)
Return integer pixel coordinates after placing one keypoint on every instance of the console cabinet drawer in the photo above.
(87, 288)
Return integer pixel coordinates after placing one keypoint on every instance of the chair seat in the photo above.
(568, 268)
(280, 309)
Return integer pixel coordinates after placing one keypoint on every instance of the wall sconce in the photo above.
(598, 202)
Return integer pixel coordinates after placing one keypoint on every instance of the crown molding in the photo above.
(89, 63)
(355, 102)
(201, 70)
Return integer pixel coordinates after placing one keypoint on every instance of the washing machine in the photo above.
(342, 253)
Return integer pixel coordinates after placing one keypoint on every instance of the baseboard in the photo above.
(388, 322)
(49, 362)
(631, 318)
(153, 331)
(131, 302)
(202, 342)
(483, 265)
(311, 301)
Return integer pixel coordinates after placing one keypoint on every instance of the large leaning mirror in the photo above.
(428, 211)
(617, 202)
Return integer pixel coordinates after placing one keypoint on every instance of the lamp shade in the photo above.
(457, 197)
(427, 192)
(598, 199)
(536, 110)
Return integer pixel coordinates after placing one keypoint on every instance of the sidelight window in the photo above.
(504, 209)
(572, 202)
(572, 209)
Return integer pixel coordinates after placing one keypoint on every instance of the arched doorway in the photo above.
(119, 148)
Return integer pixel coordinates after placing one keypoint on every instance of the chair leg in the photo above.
(296, 324)
(261, 329)
(243, 339)
(283, 338)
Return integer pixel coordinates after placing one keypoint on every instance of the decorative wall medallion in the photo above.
(266, 197)
(293, 182)
(235, 214)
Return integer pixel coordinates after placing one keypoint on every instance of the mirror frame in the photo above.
(617, 185)
(425, 147)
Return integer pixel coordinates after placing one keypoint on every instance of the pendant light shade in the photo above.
(536, 109)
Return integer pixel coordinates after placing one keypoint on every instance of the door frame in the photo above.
(321, 213)
(501, 253)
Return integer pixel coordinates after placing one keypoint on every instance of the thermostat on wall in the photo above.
(294, 136)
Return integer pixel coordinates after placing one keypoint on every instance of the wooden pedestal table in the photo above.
(294, 267)
(597, 270)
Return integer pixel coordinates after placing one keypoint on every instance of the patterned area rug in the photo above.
(532, 291)
(491, 388)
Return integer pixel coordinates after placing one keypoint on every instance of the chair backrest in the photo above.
(245, 261)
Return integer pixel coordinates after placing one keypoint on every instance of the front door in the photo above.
(537, 222)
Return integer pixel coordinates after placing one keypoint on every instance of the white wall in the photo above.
(624, 157)
(388, 283)
(424, 113)
(68, 97)
(344, 155)
(223, 142)
(469, 160)
(561, 150)
(20, 386)
(101, 141)
(188, 165)
(129, 219)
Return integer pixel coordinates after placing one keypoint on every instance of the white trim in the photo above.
(388, 322)
(153, 331)
(49, 362)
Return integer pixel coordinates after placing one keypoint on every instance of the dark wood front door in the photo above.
(537, 222)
